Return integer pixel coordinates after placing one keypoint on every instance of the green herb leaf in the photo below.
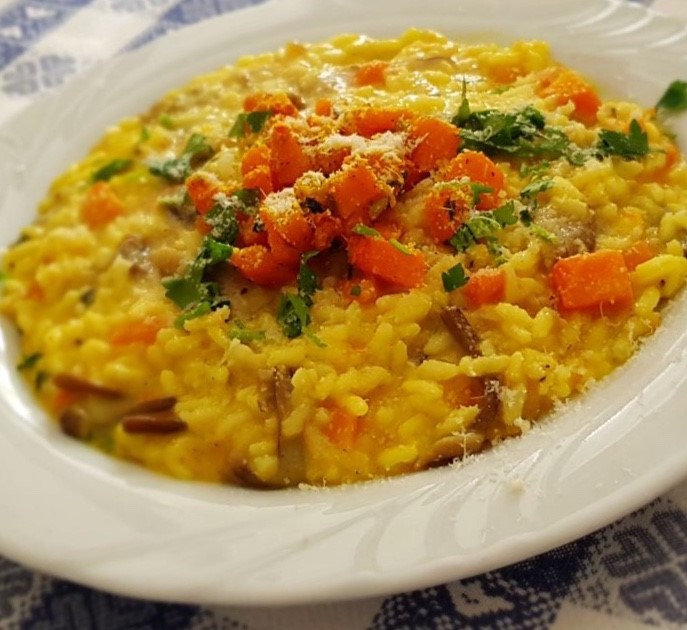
(521, 134)
(145, 135)
(464, 109)
(534, 188)
(674, 99)
(176, 170)
(454, 278)
(484, 226)
(293, 314)
(255, 121)
(356, 290)
(505, 214)
(166, 121)
(364, 230)
(543, 234)
(192, 292)
(3, 276)
(404, 249)
(306, 280)
(526, 217)
(111, 169)
(29, 362)
(243, 334)
(632, 145)
(478, 190)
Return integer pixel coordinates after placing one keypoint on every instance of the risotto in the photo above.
(348, 260)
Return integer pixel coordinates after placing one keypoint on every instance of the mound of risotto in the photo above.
(348, 260)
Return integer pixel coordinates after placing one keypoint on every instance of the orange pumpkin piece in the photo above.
(435, 140)
(569, 86)
(354, 189)
(478, 168)
(487, 286)
(343, 429)
(326, 228)
(371, 73)
(592, 281)
(258, 264)
(275, 102)
(372, 120)
(377, 257)
(288, 161)
(202, 188)
(101, 206)
(463, 391)
(259, 178)
(443, 214)
(257, 156)
(140, 331)
(638, 253)
(323, 107)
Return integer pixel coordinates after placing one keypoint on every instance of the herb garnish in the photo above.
(365, 230)
(192, 292)
(478, 190)
(254, 121)
(535, 187)
(484, 226)
(626, 145)
(454, 278)
(520, 134)
(176, 170)
(356, 290)
(674, 99)
(243, 334)
(29, 362)
(107, 172)
(293, 313)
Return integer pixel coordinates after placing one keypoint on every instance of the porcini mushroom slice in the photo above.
(79, 385)
(154, 405)
(461, 330)
(450, 448)
(75, 423)
(158, 424)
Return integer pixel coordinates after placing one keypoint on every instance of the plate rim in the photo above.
(363, 584)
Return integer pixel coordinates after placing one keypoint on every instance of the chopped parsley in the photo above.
(484, 226)
(29, 362)
(356, 290)
(166, 121)
(293, 312)
(254, 121)
(193, 292)
(526, 217)
(478, 190)
(534, 188)
(543, 234)
(631, 145)
(3, 276)
(176, 170)
(243, 334)
(521, 134)
(115, 167)
(454, 278)
(674, 99)
(404, 249)
(364, 230)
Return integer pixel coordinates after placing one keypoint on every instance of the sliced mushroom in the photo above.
(244, 476)
(461, 330)
(153, 405)
(449, 449)
(573, 236)
(159, 424)
(75, 423)
(78, 385)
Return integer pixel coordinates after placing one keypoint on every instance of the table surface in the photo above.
(631, 574)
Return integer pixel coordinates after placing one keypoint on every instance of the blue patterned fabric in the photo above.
(630, 574)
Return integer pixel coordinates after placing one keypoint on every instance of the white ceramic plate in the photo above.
(77, 514)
